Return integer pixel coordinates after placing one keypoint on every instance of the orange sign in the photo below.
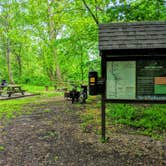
(92, 79)
(160, 80)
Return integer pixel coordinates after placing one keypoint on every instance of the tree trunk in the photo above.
(18, 57)
(82, 69)
(58, 73)
(52, 36)
(51, 75)
(19, 65)
(8, 59)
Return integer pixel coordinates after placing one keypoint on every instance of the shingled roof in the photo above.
(141, 35)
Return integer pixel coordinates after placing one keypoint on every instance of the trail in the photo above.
(51, 136)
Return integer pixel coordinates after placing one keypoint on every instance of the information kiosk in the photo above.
(133, 63)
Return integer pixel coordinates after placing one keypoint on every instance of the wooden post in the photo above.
(46, 87)
(103, 124)
(103, 97)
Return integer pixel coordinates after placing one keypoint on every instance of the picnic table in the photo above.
(11, 89)
(2, 89)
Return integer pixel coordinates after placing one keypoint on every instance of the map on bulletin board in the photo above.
(121, 80)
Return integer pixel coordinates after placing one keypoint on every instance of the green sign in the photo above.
(121, 80)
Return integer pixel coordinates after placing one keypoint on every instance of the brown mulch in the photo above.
(52, 136)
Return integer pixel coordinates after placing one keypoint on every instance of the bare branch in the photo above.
(90, 11)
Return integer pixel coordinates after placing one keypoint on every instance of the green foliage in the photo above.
(149, 118)
(50, 135)
(47, 111)
(2, 148)
(49, 41)
(138, 10)
(90, 120)
(41, 90)
(9, 110)
(12, 108)
(87, 117)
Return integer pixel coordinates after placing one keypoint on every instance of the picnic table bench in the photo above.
(2, 89)
(1, 92)
(12, 89)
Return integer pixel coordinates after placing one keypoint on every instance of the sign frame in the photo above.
(106, 58)
(118, 56)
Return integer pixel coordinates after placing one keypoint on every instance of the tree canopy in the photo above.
(48, 41)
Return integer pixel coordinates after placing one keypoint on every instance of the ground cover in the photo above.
(56, 132)
(147, 119)
(13, 108)
(144, 119)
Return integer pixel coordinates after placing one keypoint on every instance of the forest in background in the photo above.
(45, 42)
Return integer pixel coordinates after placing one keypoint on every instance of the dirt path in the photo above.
(51, 136)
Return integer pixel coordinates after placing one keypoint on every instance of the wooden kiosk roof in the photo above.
(131, 36)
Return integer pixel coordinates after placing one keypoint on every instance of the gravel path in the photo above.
(51, 136)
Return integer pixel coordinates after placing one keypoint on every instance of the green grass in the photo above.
(13, 108)
(150, 120)
(145, 119)
(2, 148)
(38, 89)
(41, 90)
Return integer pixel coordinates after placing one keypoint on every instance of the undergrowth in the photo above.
(150, 119)
(145, 119)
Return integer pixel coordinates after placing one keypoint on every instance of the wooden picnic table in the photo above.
(11, 89)
(2, 89)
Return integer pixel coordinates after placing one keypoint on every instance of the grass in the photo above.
(150, 119)
(91, 117)
(13, 108)
(39, 89)
(145, 119)
(2, 148)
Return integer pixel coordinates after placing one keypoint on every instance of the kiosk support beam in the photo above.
(103, 131)
(103, 97)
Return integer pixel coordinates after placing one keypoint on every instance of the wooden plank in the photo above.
(160, 80)
(131, 45)
(138, 46)
(134, 24)
(143, 47)
(125, 30)
(129, 29)
(135, 33)
(147, 23)
(133, 41)
(132, 37)
(150, 101)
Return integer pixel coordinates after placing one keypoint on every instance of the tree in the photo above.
(6, 16)
(42, 42)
